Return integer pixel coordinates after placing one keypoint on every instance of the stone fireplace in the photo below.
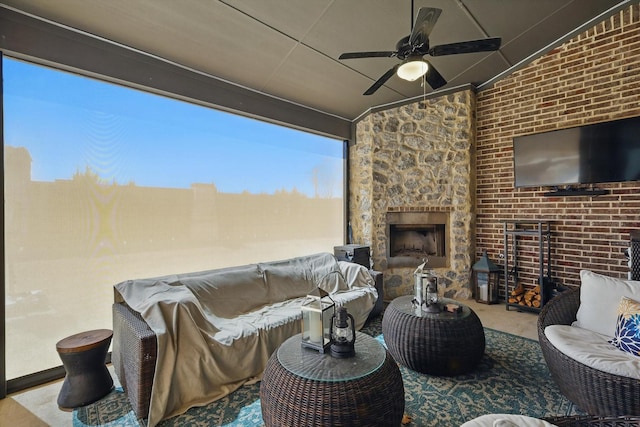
(414, 237)
(411, 191)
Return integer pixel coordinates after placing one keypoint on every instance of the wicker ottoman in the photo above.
(301, 387)
(442, 343)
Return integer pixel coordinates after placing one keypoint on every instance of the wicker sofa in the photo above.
(139, 341)
(593, 421)
(592, 390)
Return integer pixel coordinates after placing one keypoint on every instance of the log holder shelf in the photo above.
(540, 233)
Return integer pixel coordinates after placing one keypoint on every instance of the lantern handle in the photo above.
(353, 327)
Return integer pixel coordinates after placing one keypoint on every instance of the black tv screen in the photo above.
(602, 152)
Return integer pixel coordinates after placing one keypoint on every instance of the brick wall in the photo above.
(594, 77)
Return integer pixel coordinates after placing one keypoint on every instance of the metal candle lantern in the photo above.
(343, 334)
(426, 289)
(419, 289)
(486, 280)
(317, 312)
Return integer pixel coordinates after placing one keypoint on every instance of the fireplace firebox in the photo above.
(415, 236)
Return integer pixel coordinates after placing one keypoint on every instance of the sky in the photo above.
(69, 123)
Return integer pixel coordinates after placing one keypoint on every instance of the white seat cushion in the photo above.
(506, 420)
(592, 349)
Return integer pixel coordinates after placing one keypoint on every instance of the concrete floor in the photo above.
(37, 406)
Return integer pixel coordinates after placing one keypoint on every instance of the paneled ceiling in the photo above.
(289, 48)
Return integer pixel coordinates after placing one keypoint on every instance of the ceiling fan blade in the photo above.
(382, 80)
(434, 78)
(353, 55)
(425, 21)
(483, 45)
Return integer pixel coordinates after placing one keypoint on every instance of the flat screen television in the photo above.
(602, 152)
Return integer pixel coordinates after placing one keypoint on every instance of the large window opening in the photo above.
(105, 183)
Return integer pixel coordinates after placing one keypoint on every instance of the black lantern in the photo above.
(486, 280)
(317, 312)
(343, 334)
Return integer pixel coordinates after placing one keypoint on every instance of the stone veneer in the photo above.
(417, 157)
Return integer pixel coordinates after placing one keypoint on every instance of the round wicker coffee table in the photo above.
(441, 343)
(301, 387)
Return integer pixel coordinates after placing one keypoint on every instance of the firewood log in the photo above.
(526, 296)
(518, 290)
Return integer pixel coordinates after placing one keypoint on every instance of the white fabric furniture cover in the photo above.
(216, 329)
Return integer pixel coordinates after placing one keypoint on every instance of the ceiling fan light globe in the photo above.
(412, 69)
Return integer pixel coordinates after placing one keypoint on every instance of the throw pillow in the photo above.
(627, 335)
(599, 299)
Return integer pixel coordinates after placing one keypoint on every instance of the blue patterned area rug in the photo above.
(511, 378)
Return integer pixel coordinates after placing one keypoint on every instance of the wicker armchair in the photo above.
(594, 391)
(593, 421)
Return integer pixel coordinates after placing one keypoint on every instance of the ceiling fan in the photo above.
(412, 49)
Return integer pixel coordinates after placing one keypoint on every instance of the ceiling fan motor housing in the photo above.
(404, 49)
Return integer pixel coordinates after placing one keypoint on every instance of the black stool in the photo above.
(83, 357)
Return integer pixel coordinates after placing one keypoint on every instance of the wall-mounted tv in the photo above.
(602, 152)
